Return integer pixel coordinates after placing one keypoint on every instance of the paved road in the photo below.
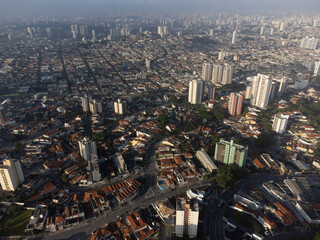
(84, 230)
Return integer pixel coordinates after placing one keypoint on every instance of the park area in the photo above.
(14, 221)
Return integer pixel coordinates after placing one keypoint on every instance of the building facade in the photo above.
(261, 89)
(11, 175)
(230, 153)
(187, 217)
(280, 122)
(196, 89)
(227, 75)
(87, 147)
(120, 107)
(235, 104)
(206, 71)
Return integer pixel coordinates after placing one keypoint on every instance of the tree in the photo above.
(218, 113)
(65, 179)
(18, 146)
(316, 236)
(264, 139)
(163, 120)
(225, 178)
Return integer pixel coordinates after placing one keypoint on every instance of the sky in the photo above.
(52, 7)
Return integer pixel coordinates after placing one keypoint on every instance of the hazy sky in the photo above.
(45, 7)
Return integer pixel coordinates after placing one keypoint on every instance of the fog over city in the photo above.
(51, 7)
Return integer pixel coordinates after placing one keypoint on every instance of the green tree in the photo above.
(316, 236)
(18, 146)
(65, 179)
(163, 120)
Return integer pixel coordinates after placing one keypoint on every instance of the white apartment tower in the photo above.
(206, 71)
(85, 100)
(234, 37)
(261, 89)
(120, 107)
(11, 175)
(227, 75)
(187, 217)
(87, 147)
(95, 106)
(196, 89)
(217, 73)
(280, 122)
(316, 69)
(309, 43)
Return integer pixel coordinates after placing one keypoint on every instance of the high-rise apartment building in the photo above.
(283, 85)
(162, 30)
(263, 30)
(235, 104)
(211, 92)
(85, 100)
(93, 169)
(187, 217)
(92, 105)
(206, 71)
(316, 69)
(230, 153)
(227, 75)
(3, 118)
(217, 73)
(120, 106)
(309, 43)
(234, 37)
(248, 92)
(95, 106)
(280, 122)
(87, 147)
(261, 89)
(11, 175)
(196, 89)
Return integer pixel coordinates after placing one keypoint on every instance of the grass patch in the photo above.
(14, 221)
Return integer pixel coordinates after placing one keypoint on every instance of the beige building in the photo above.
(11, 175)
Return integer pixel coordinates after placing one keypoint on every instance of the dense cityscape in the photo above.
(160, 126)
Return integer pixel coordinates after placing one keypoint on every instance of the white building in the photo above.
(87, 147)
(95, 106)
(196, 89)
(11, 175)
(120, 107)
(280, 122)
(206, 71)
(217, 73)
(206, 161)
(227, 75)
(187, 217)
(234, 37)
(309, 43)
(316, 69)
(119, 163)
(93, 168)
(261, 89)
(85, 103)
